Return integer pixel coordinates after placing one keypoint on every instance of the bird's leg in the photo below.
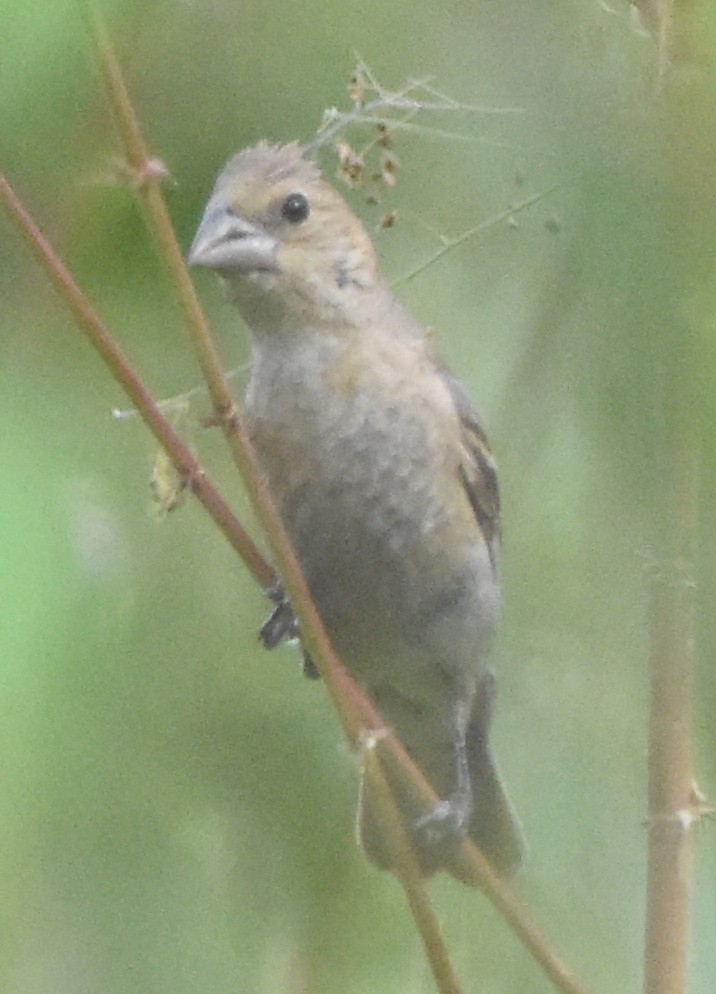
(282, 625)
(449, 819)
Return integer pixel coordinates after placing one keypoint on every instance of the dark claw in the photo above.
(281, 623)
(281, 626)
(309, 668)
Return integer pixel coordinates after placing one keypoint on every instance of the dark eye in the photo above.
(295, 208)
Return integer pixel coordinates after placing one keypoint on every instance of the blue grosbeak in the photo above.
(384, 480)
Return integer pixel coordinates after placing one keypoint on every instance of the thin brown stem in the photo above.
(476, 869)
(671, 817)
(89, 321)
(673, 803)
(673, 810)
(408, 872)
(147, 178)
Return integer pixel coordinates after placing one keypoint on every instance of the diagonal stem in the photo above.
(92, 325)
(408, 873)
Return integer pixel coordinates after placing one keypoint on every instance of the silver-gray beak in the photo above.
(229, 243)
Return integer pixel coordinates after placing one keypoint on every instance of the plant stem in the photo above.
(670, 795)
(408, 872)
(89, 321)
(672, 811)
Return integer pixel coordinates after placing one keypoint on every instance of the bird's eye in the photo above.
(295, 208)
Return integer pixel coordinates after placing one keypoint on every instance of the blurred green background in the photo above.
(177, 804)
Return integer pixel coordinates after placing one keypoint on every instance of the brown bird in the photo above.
(384, 479)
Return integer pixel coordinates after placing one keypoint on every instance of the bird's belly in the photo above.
(394, 560)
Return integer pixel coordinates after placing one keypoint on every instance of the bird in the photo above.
(385, 482)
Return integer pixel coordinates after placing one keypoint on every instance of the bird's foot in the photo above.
(446, 824)
(281, 626)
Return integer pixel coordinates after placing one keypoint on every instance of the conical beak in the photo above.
(229, 243)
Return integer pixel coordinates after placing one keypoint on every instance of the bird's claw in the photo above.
(282, 625)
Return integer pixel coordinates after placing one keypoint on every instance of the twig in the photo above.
(384, 102)
(90, 322)
(475, 868)
(408, 872)
(674, 803)
(673, 809)
(671, 819)
(448, 244)
(147, 184)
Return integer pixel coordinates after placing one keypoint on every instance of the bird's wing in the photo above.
(478, 471)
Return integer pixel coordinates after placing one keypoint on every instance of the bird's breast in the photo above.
(355, 445)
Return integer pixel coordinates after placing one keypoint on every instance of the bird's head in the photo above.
(286, 243)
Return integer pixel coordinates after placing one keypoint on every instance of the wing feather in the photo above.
(478, 470)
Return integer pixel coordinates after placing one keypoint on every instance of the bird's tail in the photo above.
(493, 825)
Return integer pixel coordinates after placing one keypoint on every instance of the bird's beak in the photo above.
(229, 243)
